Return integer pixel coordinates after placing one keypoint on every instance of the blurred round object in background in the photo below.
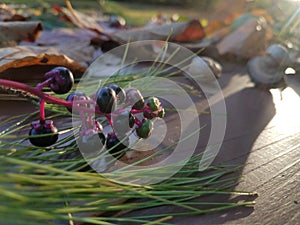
(269, 69)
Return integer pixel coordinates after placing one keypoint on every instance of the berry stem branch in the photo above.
(46, 83)
(35, 91)
(42, 111)
(136, 111)
(46, 97)
(137, 122)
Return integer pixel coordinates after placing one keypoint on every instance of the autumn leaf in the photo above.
(193, 32)
(246, 41)
(61, 36)
(14, 32)
(22, 57)
(182, 32)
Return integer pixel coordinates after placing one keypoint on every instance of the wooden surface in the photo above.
(262, 135)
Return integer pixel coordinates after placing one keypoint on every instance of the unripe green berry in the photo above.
(145, 130)
(153, 103)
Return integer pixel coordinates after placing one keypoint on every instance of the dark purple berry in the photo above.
(106, 100)
(138, 105)
(115, 147)
(62, 80)
(120, 92)
(76, 95)
(149, 114)
(135, 98)
(43, 134)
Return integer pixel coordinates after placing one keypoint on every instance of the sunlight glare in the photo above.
(290, 71)
(287, 105)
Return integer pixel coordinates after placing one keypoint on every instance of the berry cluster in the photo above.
(126, 111)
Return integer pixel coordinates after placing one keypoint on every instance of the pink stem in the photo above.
(47, 98)
(137, 122)
(34, 91)
(44, 84)
(37, 91)
(109, 119)
(42, 111)
(136, 111)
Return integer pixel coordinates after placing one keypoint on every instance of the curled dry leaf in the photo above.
(24, 59)
(18, 31)
(193, 32)
(182, 32)
(248, 40)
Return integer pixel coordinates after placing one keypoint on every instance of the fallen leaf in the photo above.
(193, 32)
(183, 32)
(22, 57)
(214, 26)
(59, 36)
(50, 20)
(246, 41)
(18, 31)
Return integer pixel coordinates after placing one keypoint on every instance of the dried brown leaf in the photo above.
(61, 36)
(246, 41)
(193, 32)
(18, 31)
(183, 32)
(14, 58)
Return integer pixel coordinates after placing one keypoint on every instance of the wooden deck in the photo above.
(263, 132)
(262, 135)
